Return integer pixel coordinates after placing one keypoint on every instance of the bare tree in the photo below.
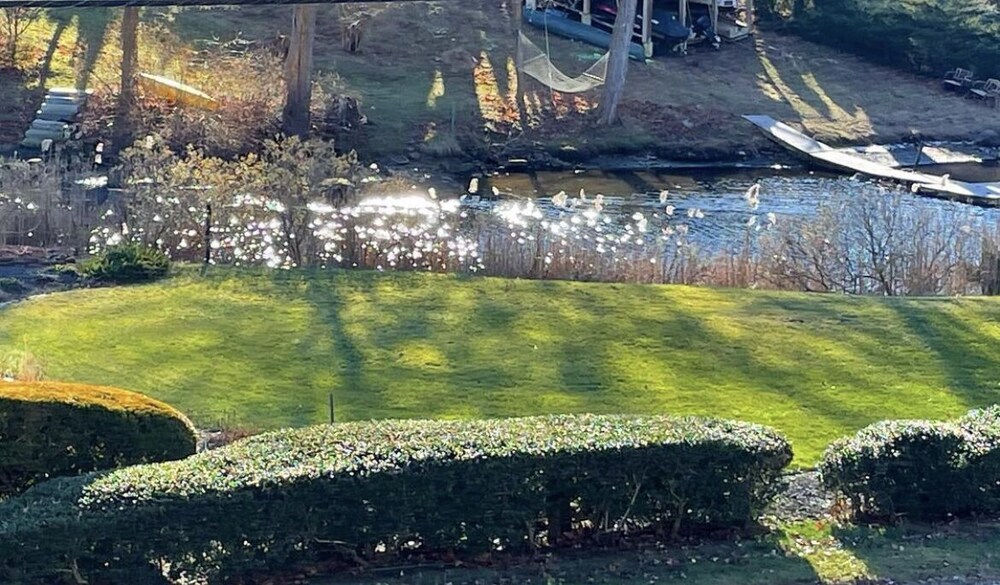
(16, 22)
(126, 95)
(614, 83)
(298, 71)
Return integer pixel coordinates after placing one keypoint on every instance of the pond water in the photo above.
(593, 225)
(713, 204)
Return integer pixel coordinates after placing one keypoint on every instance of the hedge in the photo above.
(50, 429)
(919, 469)
(393, 488)
(925, 36)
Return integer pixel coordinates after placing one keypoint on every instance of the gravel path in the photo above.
(803, 498)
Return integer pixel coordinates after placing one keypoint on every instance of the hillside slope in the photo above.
(264, 349)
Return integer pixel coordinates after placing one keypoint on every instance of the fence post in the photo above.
(208, 233)
(333, 410)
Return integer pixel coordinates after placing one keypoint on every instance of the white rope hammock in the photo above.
(536, 63)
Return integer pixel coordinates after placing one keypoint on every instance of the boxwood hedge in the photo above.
(392, 488)
(49, 429)
(920, 469)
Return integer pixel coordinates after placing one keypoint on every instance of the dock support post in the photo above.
(713, 10)
(647, 27)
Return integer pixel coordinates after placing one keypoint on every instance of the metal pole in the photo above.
(333, 410)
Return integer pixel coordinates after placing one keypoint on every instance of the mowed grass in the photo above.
(264, 349)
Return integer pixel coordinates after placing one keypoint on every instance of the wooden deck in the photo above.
(826, 156)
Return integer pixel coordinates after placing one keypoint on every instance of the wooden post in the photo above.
(585, 17)
(647, 28)
(208, 234)
(751, 16)
(298, 71)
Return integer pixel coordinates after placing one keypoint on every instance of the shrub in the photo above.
(395, 486)
(924, 36)
(898, 467)
(127, 263)
(983, 469)
(20, 365)
(50, 429)
(919, 469)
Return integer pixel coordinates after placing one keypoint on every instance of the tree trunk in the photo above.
(518, 16)
(614, 83)
(298, 71)
(126, 94)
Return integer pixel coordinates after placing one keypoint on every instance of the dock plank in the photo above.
(825, 155)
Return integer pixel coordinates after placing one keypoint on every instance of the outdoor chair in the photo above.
(988, 90)
(957, 80)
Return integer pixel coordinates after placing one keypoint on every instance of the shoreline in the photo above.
(949, 153)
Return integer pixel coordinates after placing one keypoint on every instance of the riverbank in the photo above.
(447, 94)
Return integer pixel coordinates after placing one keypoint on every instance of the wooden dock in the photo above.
(831, 158)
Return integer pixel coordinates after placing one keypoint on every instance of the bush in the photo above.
(924, 36)
(50, 429)
(127, 263)
(393, 487)
(983, 469)
(919, 469)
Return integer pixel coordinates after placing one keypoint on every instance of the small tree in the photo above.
(614, 83)
(14, 23)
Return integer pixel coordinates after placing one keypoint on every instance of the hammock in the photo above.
(536, 63)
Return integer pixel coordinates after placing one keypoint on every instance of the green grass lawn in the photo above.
(264, 349)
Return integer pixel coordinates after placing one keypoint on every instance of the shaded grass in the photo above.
(799, 553)
(264, 349)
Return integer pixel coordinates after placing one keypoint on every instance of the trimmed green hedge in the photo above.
(925, 36)
(49, 429)
(919, 469)
(391, 487)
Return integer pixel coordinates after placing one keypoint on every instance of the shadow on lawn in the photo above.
(921, 551)
(749, 562)
(965, 353)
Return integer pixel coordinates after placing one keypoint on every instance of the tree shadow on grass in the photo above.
(911, 552)
(965, 354)
(760, 561)
(92, 27)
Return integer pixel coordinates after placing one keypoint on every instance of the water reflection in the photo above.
(624, 226)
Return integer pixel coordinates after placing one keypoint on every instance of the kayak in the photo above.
(176, 91)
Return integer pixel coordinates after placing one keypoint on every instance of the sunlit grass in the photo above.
(264, 349)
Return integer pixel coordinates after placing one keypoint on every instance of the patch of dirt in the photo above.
(26, 271)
